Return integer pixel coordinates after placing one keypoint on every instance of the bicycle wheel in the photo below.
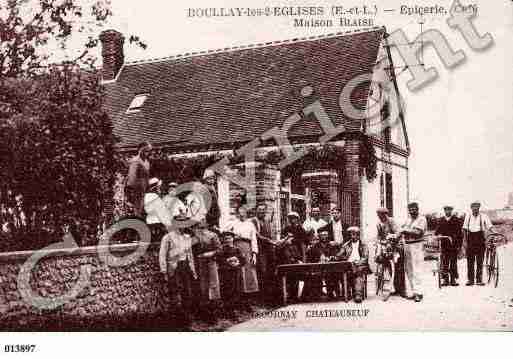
(496, 268)
(489, 264)
(379, 278)
(439, 276)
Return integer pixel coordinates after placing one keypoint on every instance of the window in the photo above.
(387, 132)
(381, 191)
(137, 103)
(389, 197)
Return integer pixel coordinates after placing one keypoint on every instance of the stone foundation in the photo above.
(130, 297)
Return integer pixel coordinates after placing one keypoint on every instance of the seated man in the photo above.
(321, 252)
(356, 252)
(289, 253)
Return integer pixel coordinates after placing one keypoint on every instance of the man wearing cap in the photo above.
(393, 269)
(172, 202)
(450, 226)
(158, 218)
(176, 261)
(475, 226)
(137, 178)
(357, 253)
(413, 232)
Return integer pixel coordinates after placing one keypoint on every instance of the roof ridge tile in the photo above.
(254, 46)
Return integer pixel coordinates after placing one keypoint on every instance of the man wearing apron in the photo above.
(413, 232)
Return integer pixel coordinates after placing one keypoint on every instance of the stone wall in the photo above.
(130, 297)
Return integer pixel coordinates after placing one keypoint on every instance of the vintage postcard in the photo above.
(255, 166)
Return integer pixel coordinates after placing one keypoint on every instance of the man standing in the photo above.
(176, 262)
(266, 261)
(475, 226)
(393, 269)
(213, 213)
(137, 179)
(173, 203)
(314, 223)
(337, 230)
(450, 226)
(413, 232)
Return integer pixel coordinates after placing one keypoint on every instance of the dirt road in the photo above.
(449, 308)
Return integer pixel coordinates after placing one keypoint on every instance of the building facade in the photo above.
(334, 96)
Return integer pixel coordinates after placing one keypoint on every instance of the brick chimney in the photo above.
(112, 53)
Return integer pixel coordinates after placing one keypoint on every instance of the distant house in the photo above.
(218, 101)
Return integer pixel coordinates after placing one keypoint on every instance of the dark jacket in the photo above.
(138, 174)
(214, 212)
(264, 235)
(296, 251)
(224, 254)
(347, 249)
(451, 228)
(329, 228)
(313, 255)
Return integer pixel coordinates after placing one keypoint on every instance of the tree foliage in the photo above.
(58, 157)
(29, 28)
(57, 150)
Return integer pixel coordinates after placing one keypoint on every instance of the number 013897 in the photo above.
(19, 348)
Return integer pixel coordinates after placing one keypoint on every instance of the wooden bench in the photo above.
(307, 270)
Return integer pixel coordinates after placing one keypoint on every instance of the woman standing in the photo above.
(246, 241)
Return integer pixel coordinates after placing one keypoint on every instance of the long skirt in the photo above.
(208, 278)
(249, 271)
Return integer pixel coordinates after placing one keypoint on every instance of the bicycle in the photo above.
(492, 257)
(439, 271)
(384, 260)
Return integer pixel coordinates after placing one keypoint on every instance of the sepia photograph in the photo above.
(255, 166)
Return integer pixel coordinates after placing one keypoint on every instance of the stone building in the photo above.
(220, 100)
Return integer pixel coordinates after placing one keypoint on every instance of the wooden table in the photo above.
(314, 269)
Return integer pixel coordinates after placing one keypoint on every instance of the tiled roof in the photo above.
(235, 95)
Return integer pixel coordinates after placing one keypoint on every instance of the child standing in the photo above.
(230, 261)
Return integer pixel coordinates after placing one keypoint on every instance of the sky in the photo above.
(460, 126)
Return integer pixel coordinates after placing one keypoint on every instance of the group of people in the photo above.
(400, 249)
(236, 263)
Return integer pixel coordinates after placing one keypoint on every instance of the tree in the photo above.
(59, 159)
(57, 149)
(28, 28)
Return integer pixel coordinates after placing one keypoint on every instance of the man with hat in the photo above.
(413, 232)
(176, 261)
(158, 217)
(357, 253)
(393, 269)
(475, 226)
(450, 226)
(172, 202)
